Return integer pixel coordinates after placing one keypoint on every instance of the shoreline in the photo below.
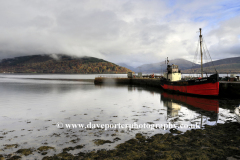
(213, 142)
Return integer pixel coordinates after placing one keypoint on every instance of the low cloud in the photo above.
(134, 32)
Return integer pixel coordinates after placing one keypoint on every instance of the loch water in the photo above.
(33, 106)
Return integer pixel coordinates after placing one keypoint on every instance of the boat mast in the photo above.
(200, 37)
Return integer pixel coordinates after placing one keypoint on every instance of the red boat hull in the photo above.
(206, 89)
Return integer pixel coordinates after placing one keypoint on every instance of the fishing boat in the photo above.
(206, 86)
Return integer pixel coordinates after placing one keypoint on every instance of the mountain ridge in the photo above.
(226, 65)
(159, 66)
(59, 63)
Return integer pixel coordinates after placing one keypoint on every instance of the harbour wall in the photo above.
(229, 89)
(226, 89)
(154, 82)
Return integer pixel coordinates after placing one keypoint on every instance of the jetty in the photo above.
(226, 88)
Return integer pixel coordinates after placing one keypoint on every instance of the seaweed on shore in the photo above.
(213, 142)
(1, 157)
(45, 148)
(25, 152)
(99, 142)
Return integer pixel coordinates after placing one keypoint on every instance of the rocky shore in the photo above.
(213, 142)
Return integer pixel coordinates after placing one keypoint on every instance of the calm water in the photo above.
(31, 108)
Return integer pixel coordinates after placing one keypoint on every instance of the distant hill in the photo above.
(59, 64)
(228, 65)
(225, 61)
(127, 66)
(161, 66)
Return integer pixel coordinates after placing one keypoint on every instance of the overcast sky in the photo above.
(134, 32)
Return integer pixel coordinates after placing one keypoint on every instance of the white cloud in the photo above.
(226, 38)
(119, 31)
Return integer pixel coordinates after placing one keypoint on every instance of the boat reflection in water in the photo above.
(203, 106)
(173, 108)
